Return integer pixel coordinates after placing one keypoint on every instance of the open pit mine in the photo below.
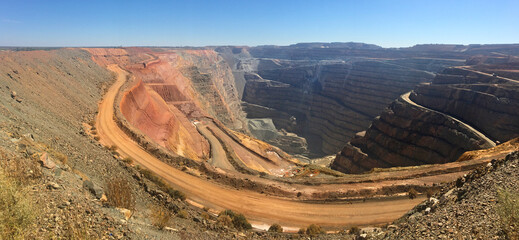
(337, 135)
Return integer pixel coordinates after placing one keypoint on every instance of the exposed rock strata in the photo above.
(329, 103)
(405, 134)
(151, 115)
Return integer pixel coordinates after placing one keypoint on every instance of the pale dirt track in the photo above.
(260, 209)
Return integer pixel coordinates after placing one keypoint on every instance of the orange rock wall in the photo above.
(147, 111)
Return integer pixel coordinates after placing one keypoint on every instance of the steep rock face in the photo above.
(463, 109)
(148, 112)
(491, 108)
(328, 103)
(407, 135)
(213, 80)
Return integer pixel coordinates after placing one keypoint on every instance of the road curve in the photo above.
(406, 98)
(260, 209)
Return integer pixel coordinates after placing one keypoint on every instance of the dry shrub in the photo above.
(17, 212)
(120, 194)
(160, 217)
(275, 228)
(127, 160)
(112, 148)
(224, 220)
(161, 184)
(22, 170)
(182, 214)
(205, 216)
(314, 229)
(76, 229)
(412, 193)
(354, 230)
(238, 220)
(508, 210)
(302, 231)
(430, 192)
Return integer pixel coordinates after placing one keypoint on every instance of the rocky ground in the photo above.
(467, 209)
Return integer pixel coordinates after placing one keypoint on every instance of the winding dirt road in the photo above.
(260, 209)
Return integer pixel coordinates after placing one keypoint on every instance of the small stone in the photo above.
(103, 198)
(427, 210)
(53, 185)
(392, 226)
(47, 161)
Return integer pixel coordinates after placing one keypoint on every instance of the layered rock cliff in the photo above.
(327, 103)
(463, 109)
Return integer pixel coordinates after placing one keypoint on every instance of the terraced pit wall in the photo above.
(406, 134)
(330, 103)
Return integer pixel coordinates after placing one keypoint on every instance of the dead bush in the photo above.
(508, 210)
(412, 193)
(275, 228)
(301, 231)
(120, 194)
(160, 217)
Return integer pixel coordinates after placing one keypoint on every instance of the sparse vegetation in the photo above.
(430, 192)
(182, 214)
(76, 230)
(508, 210)
(127, 160)
(238, 220)
(21, 170)
(120, 194)
(161, 184)
(314, 229)
(301, 231)
(275, 228)
(112, 148)
(17, 212)
(160, 217)
(205, 216)
(354, 230)
(224, 220)
(412, 193)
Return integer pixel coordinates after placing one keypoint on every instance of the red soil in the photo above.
(147, 111)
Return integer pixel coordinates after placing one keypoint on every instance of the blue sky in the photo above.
(397, 23)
